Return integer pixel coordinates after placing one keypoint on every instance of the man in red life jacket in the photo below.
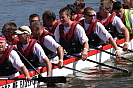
(10, 62)
(71, 35)
(35, 17)
(49, 21)
(31, 50)
(52, 49)
(80, 6)
(74, 15)
(113, 24)
(95, 31)
(8, 31)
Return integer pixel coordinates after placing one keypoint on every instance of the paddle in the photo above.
(128, 49)
(58, 79)
(120, 69)
(111, 53)
(41, 77)
(70, 68)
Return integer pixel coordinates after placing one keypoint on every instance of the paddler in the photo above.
(96, 32)
(31, 50)
(10, 62)
(71, 35)
(112, 23)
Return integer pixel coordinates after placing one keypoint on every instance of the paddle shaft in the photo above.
(58, 79)
(28, 62)
(123, 70)
(111, 53)
(128, 49)
(71, 68)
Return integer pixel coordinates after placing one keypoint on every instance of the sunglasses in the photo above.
(34, 20)
(103, 9)
(90, 15)
(6, 30)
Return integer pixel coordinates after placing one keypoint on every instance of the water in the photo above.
(103, 77)
(18, 11)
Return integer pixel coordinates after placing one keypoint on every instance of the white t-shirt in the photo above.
(100, 31)
(16, 63)
(37, 50)
(50, 43)
(79, 32)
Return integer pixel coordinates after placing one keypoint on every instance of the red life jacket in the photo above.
(6, 67)
(43, 35)
(6, 53)
(92, 27)
(94, 40)
(48, 52)
(109, 19)
(29, 48)
(70, 41)
(14, 42)
(71, 32)
(109, 26)
(79, 16)
(54, 26)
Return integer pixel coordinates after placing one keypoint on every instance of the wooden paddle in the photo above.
(58, 79)
(111, 53)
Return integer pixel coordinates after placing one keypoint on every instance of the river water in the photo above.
(18, 11)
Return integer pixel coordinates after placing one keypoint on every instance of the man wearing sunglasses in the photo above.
(34, 17)
(124, 14)
(113, 24)
(95, 31)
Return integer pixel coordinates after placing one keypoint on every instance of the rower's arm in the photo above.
(126, 38)
(60, 55)
(25, 71)
(48, 66)
(84, 53)
(111, 40)
(126, 33)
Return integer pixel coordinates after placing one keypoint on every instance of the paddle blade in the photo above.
(58, 79)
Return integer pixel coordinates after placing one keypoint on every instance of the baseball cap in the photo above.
(23, 30)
